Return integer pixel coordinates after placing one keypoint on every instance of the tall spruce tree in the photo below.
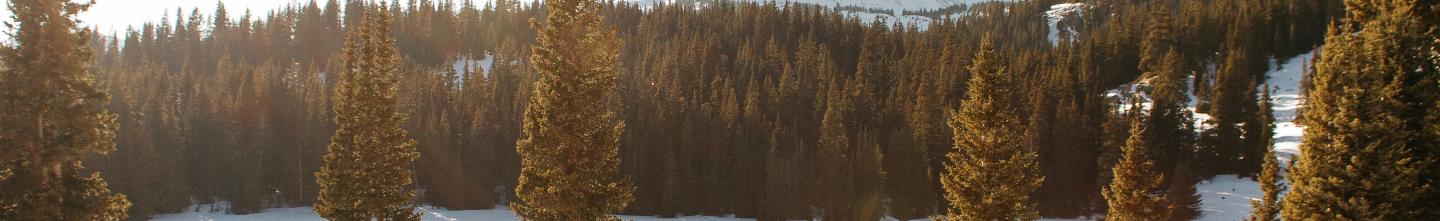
(1131, 195)
(1170, 135)
(1268, 207)
(835, 144)
(1181, 194)
(1171, 125)
(1259, 132)
(51, 118)
(1231, 99)
(570, 147)
(367, 173)
(992, 170)
(1371, 144)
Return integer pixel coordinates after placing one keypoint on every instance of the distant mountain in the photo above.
(914, 12)
(912, 5)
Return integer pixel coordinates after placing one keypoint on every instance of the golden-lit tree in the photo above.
(367, 173)
(52, 118)
(569, 153)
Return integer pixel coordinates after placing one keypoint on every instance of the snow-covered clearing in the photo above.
(889, 11)
(1224, 197)
(1227, 197)
(426, 213)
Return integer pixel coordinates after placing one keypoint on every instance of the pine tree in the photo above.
(1370, 145)
(52, 118)
(1117, 132)
(779, 189)
(909, 180)
(869, 179)
(1220, 144)
(991, 172)
(1131, 195)
(835, 144)
(1268, 207)
(1171, 125)
(1159, 38)
(1181, 194)
(1169, 138)
(1259, 133)
(367, 165)
(570, 147)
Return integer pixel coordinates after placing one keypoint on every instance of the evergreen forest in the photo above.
(768, 110)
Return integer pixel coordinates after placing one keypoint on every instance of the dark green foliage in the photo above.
(991, 172)
(569, 153)
(367, 171)
(1170, 138)
(1369, 152)
(1183, 199)
(706, 94)
(1268, 207)
(1131, 195)
(53, 118)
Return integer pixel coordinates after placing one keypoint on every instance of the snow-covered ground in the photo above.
(898, 5)
(895, 4)
(1287, 98)
(484, 65)
(426, 213)
(1227, 197)
(1223, 198)
(890, 11)
(1063, 12)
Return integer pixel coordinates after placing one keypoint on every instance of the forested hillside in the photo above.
(773, 111)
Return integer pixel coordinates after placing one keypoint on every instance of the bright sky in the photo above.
(113, 16)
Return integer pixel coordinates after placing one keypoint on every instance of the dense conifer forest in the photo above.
(577, 110)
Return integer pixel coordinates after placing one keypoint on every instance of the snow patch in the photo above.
(1227, 197)
(426, 213)
(1285, 95)
(482, 64)
(1062, 12)
(894, 10)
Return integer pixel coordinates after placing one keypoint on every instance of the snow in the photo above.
(1286, 97)
(463, 62)
(288, 214)
(426, 213)
(1059, 13)
(1223, 197)
(897, 5)
(466, 61)
(1041, 219)
(1227, 197)
(895, 9)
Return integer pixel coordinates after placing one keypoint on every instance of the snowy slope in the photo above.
(1061, 13)
(894, 4)
(868, 10)
(1287, 99)
(1224, 197)
(426, 213)
(873, 4)
(1227, 197)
